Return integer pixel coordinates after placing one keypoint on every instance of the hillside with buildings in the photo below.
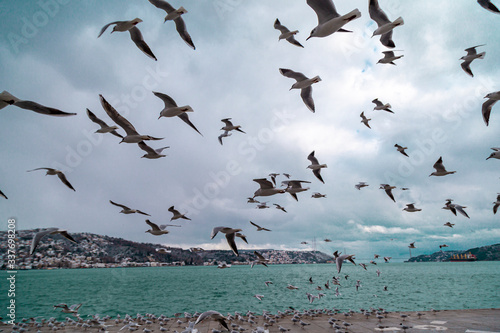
(489, 252)
(97, 251)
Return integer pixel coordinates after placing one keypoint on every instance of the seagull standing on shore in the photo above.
(58, 173)
(304, 84)
(329, 21)
(286, 34)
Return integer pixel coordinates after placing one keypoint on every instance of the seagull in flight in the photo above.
(171, 110)
(449, 224)
(176, 16)
(440, 169)
(286, 34)
(401, 149)
(388, 190)
(49, 231)
(381, 106)
(135, 34)
(177, 214)
(486, 108)
(127, 210)
(105, 128)
(280, 207)
(379, 16)
(454, 208)
(228, 126)
(340, 260)
(329, 20)
(230, 234)
(383, 29)
(389, 58)
(150, 152)
(471, 56)
(132, 135)
(486, 4)
(304, 84)
(360, 185)
(159, 230)
(259, 228)
(266, 188)
(315, 166)
(411, 208)
(7, 98)
(365, 120)
(495, 153)
(496, 204)
(213, 315)
(58, 173)
(3, 195)
(294, 187)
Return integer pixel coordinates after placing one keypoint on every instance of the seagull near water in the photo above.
(230, 235)
(286, 34)
(132, 135)
(304, 84)
(329, 20)
(71, 309)
(340, 260)
(159, 230)
(486, 107)
(58, 173)
(315, 166)
(471, 56)
(135, 34)
(213, 315)
(127, 210)
(7, 98)
(175, 15)
(171, 110)
(50, 231)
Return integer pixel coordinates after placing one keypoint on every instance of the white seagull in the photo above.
(365, 120)
(50, 231)
(177, 214)
(411, 208)
(329, 21)
(171, 110)
(175, 15)
(213, 315)
(315, 166)
(228, 126)
(471, 56)
(159, 230)
(135, 34)
(71, 309)
(389, 58)
(266, 188)
(360, 185)
(340, 260)
(381, 106)
(383, 29)
(127, 210)
(223, 135)
(486, 108)
(286, 34)
(379, 16)
(440, 169)
(7, 98)
(304, 84)
(230, 234)
(259, 228)
(150, 152)
(132, 135)
(105, 128)
(294, 187)
(58, 173)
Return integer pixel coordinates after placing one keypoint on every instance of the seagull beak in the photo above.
(308, 38)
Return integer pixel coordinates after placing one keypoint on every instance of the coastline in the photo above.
(318, 321)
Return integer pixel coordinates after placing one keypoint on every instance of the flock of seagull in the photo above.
(329, 22)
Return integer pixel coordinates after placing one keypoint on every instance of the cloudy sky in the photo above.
(50, 54)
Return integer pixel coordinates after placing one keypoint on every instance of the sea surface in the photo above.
(168, 290)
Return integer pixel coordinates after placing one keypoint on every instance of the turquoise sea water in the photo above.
(167, 290)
